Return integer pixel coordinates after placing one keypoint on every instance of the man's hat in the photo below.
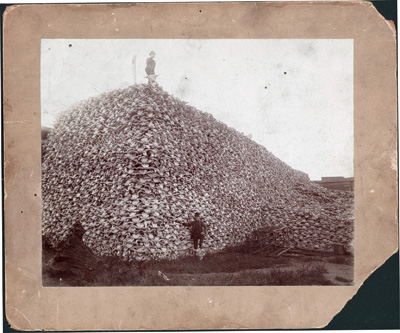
(152, 52)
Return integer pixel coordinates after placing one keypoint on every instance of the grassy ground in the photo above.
(232, 267)
(215, 263)
(309, 274)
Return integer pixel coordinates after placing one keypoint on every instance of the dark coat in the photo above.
(198, 228)
(150, 66)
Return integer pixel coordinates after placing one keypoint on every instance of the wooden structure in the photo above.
(272, 240)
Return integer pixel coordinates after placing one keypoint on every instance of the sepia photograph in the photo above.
(197, 162)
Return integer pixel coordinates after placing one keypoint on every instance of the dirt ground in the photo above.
(340, 274)
(225, 268)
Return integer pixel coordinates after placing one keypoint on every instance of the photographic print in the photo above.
(193, 154)
(197, 162)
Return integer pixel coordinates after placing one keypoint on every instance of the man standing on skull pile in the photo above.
(150, 66)
(198, 230)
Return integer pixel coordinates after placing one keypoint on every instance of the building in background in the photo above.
(337, 183)
(45, 133)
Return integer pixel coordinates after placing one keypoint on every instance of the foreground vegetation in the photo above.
(308, 274)
(232, 267)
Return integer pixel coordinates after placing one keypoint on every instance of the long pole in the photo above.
(134, 68)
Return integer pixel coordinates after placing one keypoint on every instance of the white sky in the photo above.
(304, 117)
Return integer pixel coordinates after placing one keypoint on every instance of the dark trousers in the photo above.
(196, 241)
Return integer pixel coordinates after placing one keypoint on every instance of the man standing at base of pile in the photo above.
(150, 67)
(198, 230)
